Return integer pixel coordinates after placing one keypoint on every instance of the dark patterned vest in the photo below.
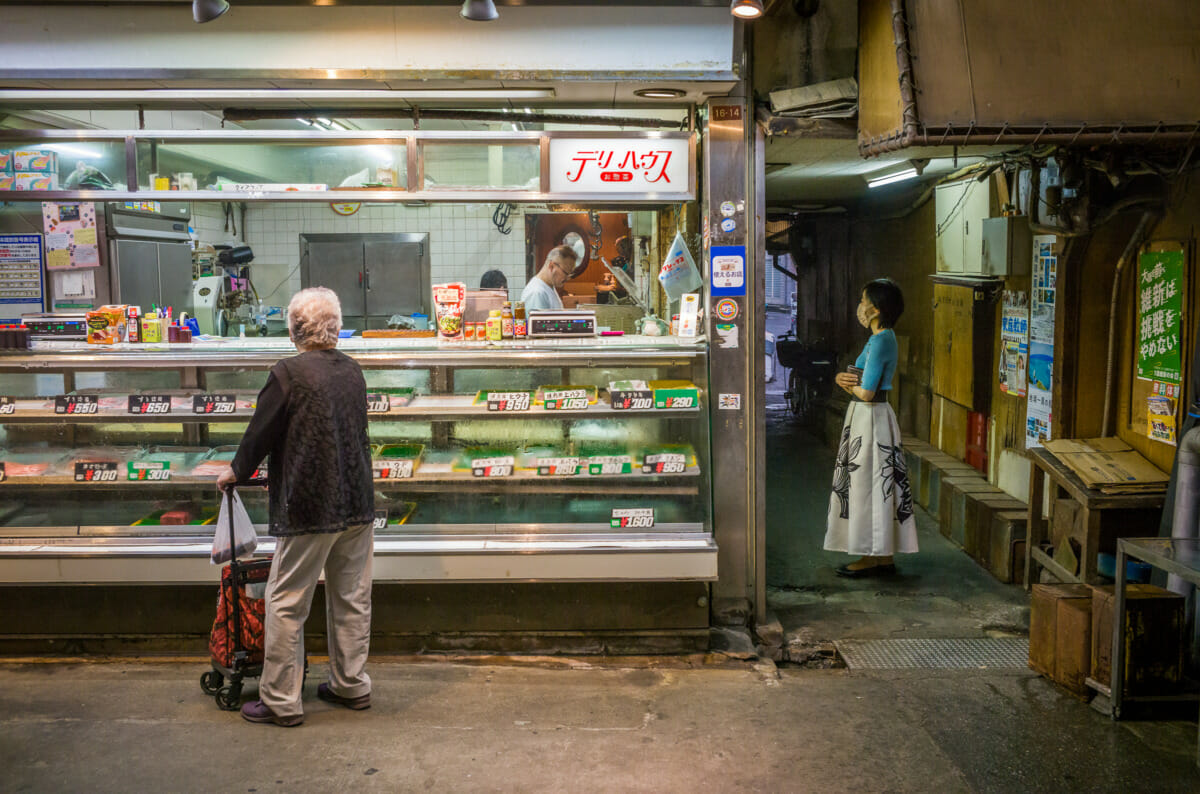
(320, 472)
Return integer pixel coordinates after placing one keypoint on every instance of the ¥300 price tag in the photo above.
(149, 404)
(632, 518)
(632, 400)
(76, 404)
(378, 403)
(103, 471)
(558, 467)
(508, 400)
(214, 404)
(149, 471)
(667, 463)
(392, 469)
(493, 467)
(8, 406)
(380, 522)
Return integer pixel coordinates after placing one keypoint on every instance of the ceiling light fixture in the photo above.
(479, 10)
(39, 97)
(746, 9)
(660, 93)
(70, 148)
(208, 10)
(887, 179)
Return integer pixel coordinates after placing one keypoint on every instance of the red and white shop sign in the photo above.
(607, 165)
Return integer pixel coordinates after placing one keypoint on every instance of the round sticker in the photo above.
(728, 225)
(347, 208)
(727, 208)
(726, 309)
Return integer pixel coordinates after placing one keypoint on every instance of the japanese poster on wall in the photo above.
(21, 288)
(1014, 343)
(1160, 310)
(1160, 413)
(1042, 301)
(70, 235)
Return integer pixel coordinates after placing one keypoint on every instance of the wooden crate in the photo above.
(1073, 644)
(1153, 638)
(952, 511)
(1006, 559)
(1043, 622)
(981, 508)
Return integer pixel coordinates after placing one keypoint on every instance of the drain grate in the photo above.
(961, 654)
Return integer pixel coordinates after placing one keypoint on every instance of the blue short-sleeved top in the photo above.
(878, 361)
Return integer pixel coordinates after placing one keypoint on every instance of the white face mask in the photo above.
(865, 315)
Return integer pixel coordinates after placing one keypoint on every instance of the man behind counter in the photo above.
(542, 290)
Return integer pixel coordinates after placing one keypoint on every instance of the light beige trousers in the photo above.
(346, 558)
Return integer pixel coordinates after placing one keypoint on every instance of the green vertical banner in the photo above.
(1160, 314)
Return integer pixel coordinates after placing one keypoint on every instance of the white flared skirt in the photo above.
(871, 507)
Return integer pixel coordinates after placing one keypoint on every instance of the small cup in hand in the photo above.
(857, 373)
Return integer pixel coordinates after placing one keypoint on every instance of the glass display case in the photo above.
(548, 460)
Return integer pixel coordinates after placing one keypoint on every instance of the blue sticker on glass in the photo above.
(728, 225)
(728, 269)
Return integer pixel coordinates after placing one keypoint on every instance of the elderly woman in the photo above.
(311, 421)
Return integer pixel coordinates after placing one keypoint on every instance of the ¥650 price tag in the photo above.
(632, 518)
(378, 403)
(508, 401)
(667, 463)
(392, 469)
(214, 404)
(149, 404)
(493, 467)
(149, 471)
(104, 471)
(76, 404)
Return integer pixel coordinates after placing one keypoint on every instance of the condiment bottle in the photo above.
(495, 326)
(520, 325)
(506, 321)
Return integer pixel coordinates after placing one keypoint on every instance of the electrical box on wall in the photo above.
(960, 209)
(1007, 246)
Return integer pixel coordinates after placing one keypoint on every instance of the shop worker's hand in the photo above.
(226, 480)
(846, 380)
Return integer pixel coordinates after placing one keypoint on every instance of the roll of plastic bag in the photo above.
(679, 274)
(245, 539)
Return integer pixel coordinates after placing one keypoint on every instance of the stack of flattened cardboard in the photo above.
(1109, 465)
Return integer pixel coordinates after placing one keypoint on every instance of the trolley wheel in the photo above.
(210, 682)
(229, 698)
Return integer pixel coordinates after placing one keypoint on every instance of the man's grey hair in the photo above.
(562, 252)
(314, 317)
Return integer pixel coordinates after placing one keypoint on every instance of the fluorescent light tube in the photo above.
(899, 176)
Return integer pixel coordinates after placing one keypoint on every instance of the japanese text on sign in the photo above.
(619, 166)
(1160, 309)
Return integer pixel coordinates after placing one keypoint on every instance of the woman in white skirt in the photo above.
(871, 507)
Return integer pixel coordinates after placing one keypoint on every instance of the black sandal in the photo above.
(862, 573)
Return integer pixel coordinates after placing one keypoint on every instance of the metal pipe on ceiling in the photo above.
(516, 117)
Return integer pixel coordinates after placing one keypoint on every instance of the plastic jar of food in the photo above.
(506, 321)
(520, 324)
(495, 326)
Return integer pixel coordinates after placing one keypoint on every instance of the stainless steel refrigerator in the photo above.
(374, 275)
(150, 256)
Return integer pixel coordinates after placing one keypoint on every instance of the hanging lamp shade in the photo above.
(746, 9)
(479, 10)
(208, 10)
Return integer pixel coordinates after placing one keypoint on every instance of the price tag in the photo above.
(508, 400)
(632, 518)
(641, 400)
(150, 470)
(104, 471)
(8, 406)
(493, 467)
(214, 404)
(558, 467)
(667, 463)
(378, 403)
(76, 404)
(613, 464)
(679, 402)
(380, 522)
(565, 400)
(147, 404)
(392, 469)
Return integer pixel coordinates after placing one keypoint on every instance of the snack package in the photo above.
(449, 303)
(106, 325)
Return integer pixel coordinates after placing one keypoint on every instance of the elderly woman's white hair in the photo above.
(314, 318)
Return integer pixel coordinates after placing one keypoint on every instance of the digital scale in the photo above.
(61, 325)
(562, 322)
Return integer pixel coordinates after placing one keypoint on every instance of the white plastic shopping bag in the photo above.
(679, 274)
(244, 538)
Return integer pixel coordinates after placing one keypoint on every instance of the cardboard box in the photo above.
(8, 182)
(42, 161)
(1073, 644)
(1109, 464)
(1043, 622)
(35, 181)
(1153, 638)
(6, 162)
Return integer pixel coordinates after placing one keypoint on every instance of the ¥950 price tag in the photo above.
(103, 471)
(149, 404)
(214, 404)
(632, 400)
(8, 406)
(668, 463)
(76, 404)
(392, 469)
(508, 400)
(149, 471)
(493, 467)
(632, 518)
(378, 403)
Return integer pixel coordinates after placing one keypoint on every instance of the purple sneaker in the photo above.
(358, 704)
(257, 711)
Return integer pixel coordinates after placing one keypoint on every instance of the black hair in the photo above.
(885, 296)
(493, 279)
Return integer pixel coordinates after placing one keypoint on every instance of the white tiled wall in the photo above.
(463, 242)
(208, 219)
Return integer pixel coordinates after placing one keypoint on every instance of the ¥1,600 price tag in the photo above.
(149, 404)
(76, 404)
(667, 463)
(392, 469)
(632, 518)
(380, 522)
(8, 406)
(508, 401)
(149, 470)
(493, 467)
(214, 404)
(632, 400)
(378, 403)
(558, 467)
(102, 471)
